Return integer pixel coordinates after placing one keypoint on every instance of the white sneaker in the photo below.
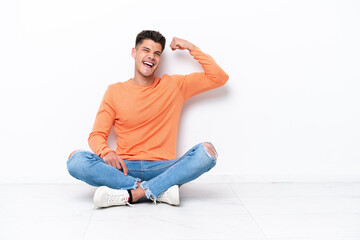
(170, 196)
(106, 197)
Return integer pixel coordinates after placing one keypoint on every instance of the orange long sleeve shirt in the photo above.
(146, 118)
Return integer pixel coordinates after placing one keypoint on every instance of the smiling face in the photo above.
(147, 57)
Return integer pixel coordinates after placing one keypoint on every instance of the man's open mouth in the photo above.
(148, 64)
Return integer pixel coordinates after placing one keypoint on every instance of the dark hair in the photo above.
(153, 35)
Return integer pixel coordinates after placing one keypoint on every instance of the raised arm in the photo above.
(212, 77)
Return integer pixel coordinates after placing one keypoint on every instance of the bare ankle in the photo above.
(137, 193)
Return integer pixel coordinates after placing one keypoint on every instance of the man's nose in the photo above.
(151, 55)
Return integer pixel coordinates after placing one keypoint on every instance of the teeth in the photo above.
(148, 63)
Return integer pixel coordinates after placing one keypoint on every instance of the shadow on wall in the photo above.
(213, 95)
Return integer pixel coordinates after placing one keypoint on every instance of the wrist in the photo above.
(191, 47)
(106, 153)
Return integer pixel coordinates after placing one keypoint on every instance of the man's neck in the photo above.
(143, 81)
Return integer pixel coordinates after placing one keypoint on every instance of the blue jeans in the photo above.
(155, 176)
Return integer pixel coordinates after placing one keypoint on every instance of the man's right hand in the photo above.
(114, 159)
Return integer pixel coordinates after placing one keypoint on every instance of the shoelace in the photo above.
(118, 197)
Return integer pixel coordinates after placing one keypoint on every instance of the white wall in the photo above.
(290, 111)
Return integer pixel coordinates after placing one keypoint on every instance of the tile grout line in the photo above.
(88, 224)
(248, 211)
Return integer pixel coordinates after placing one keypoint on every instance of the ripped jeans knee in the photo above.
(210, 150)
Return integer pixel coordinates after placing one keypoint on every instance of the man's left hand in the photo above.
(178, 43)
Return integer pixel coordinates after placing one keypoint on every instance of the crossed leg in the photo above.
(179, 173)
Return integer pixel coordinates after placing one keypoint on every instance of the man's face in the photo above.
(147, 57)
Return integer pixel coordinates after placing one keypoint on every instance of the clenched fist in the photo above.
(178, 43)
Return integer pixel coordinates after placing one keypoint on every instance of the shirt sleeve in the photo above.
(195, 83)
(104, 121)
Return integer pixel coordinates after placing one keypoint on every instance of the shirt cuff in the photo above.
(106, 151)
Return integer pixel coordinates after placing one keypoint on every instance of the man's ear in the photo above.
(133, 52)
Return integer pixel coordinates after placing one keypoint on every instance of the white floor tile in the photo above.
(303, 211)
(43, 228)
(296, 189)
(314, 238)
(45, 200)
(302, 205)
(208, 211)
(149, 221)
(306, 226)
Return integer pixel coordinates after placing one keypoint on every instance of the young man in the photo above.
(145, 113)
